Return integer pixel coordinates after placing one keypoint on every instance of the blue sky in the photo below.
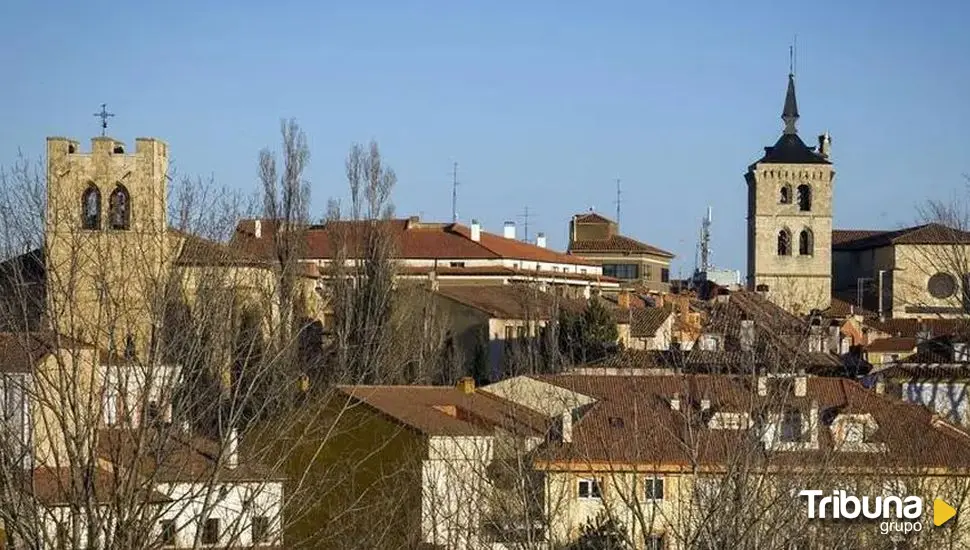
(543, 103)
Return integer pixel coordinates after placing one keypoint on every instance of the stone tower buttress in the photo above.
(789, 226)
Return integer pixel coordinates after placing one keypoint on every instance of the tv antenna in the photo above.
(526, 217)
(454, 193)
(618, 200)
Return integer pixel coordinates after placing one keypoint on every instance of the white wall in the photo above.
(455, 490)
(235, 504)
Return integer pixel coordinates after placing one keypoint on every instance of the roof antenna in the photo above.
(454, 193)
(618, 200)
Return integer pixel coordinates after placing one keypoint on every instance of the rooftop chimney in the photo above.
(567, 426)
(258, 229)
(801, 384)
(675, 402)
(541, 240)
(232, 449)
(705, 404)
(476, 231)
(509, 230)
(623, 299)
(466, 385)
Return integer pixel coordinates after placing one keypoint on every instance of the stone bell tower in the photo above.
(790, 218)
(105, 240)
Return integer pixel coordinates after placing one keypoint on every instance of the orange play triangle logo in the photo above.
(942, 512)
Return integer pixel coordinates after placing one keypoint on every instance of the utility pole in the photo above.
(454, 193)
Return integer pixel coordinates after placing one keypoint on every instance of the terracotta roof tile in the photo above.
(592, 217)
(411, 238)
(646, 321)
(912, 327)
(517, 302)
(893, 343)
(21, 351)
(653, 435)
(930, 233)
(198, 251)
(59, 486)
(616, 243)
(447, 411)
(164, 456)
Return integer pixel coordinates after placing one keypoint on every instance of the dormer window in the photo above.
(792, 426)
(853, 433)
(709, 342)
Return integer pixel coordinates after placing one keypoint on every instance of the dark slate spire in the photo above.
(790, 113)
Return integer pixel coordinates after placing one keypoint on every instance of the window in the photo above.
(784, 196)
(654, 488)
(621, 271)
(804, 198)
(509, 333)
(654, 542)
(260, 530)
(664, 275)
(119, 208)
(942, 285)
(791, 426)
(805, 243)
(457, 264)
(129, 346)
(784, 243)
(167, 537)
(520, 332)
(153, 412)
(210, 531)
(91, 208)
(589, 488)
(63, 541)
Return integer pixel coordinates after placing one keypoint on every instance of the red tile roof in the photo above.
(170, 457)
(592, 217)
(651, 434)
(199, 251)
(912, 327)
(646, 321)
(448, 411)
(516, 302)
(21, 351)
(891, 344)
(930, 233)
(61, 486)
(411, 238)
(616, 243)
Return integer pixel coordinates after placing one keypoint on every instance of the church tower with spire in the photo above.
(790, 218)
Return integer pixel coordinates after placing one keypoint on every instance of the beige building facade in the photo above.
(790, 218)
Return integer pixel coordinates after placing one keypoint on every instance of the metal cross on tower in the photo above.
(104, 115)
